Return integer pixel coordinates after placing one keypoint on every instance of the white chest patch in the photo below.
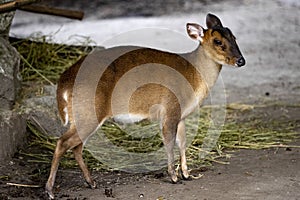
(128, 118)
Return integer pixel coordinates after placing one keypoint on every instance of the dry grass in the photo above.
(43, 62)
(247, 133)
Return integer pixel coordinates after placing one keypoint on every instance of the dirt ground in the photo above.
(251, 174)
(268, 33)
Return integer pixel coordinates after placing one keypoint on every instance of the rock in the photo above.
(9, 63)
(42, 111)
(5, 22)
(12, 125)
(12, 133)
(9, 74)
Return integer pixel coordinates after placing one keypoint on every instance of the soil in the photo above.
(267, 174)
(251, 174)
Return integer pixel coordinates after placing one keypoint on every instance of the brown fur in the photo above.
(164, 97)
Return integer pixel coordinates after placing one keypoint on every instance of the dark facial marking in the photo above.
(224, 32)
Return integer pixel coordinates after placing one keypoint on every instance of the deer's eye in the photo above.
(217, 42)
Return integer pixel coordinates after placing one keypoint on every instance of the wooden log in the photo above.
(72, 14)
(13, 5)
(24, 5)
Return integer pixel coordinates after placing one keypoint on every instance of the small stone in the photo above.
(108, 192)
(288, 149)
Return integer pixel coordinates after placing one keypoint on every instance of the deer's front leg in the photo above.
(169, 137)
(181, 142)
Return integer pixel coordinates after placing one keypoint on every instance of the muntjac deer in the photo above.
(168, 102)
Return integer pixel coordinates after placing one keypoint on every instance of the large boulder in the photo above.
(12, 125)
(5, 22)
(12, 133)
(9, 74)
(41, 110)
(9, 63)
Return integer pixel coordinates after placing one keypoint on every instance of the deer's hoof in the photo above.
(92, 185)
(174, 179)
(50, 194)
(186, 176)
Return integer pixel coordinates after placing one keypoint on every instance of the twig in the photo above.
(72, 14)
(196, 177)
(23, 185)
(39, 125)
(10, 6)
(44, 77)
(25, 5)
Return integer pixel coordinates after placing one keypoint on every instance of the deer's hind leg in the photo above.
(68, 140)
(78, 156)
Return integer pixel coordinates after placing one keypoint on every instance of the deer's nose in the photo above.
(241, 61)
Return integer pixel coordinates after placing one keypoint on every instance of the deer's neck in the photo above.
(207, 67)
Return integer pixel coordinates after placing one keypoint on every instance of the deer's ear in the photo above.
(213, 21)
(195, 31)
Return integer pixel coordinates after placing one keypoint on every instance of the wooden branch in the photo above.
(24, 5)
(73, 14)
(23, 185)
(13, 5)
